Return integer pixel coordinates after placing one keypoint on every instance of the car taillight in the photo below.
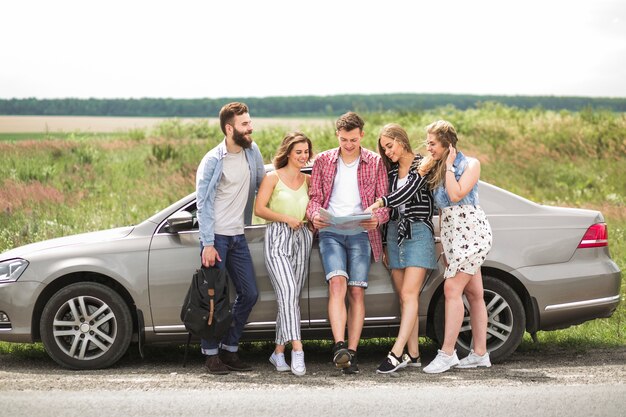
(596, 236)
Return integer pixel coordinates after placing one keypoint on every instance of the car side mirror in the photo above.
(179, 222)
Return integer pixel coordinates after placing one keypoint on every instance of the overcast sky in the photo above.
(229, 48)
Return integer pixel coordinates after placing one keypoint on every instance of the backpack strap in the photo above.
(211, 304)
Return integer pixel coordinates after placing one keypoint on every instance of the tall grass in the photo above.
(52, 186)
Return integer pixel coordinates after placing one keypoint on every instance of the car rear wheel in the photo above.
(506, 321)
(86, 326)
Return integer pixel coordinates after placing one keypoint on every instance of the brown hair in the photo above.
(349, 121)
(289, 141)
(446, 135)
(398, 134)
(229, 111)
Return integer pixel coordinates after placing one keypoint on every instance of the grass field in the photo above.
(60, 183)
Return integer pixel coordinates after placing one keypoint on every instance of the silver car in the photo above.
(88, 296)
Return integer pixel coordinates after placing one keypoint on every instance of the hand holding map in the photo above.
(344, 225)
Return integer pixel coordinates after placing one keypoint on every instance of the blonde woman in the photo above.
(282, 200)
(410, 243)
(466, 239)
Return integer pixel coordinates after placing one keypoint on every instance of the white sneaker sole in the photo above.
(459, 366)
(298, 373)
(439, 371)
(280, 368)
(378, 371)
(436, 371)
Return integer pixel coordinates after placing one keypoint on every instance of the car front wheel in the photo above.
(506, 321)
(86, 326)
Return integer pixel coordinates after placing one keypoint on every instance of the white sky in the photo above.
(228, 48)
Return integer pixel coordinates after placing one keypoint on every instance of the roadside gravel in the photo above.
(158, 372)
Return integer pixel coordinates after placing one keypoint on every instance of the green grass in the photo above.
(59, 184)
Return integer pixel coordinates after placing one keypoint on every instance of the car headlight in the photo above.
(12, 269)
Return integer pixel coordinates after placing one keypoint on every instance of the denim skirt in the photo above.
(419, 251)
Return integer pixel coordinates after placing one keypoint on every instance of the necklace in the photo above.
(351, 164)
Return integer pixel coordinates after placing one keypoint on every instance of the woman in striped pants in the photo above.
(281, 200)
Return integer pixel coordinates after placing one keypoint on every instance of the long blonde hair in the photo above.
(445, 134)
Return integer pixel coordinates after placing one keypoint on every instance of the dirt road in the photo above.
(561, 382)
(157, 370)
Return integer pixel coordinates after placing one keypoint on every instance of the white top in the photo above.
(232, 195)
(399, 184)
(345, 198)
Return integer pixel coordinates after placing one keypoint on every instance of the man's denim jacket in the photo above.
(208, 178)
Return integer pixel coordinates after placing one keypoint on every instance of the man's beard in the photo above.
(241, 140)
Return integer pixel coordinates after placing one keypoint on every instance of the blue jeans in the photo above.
(346, 255)
(236, 259)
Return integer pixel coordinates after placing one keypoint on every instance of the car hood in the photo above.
(81, 239)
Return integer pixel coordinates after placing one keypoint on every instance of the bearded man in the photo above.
(226, 184)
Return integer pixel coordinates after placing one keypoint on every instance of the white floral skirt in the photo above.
(466, 238)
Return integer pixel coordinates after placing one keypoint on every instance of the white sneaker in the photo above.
(442, 362)
(474, 361)
(297, 363)
(278, 360)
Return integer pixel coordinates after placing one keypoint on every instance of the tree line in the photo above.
(294, 106)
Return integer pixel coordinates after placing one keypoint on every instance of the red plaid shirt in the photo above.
(372, 180)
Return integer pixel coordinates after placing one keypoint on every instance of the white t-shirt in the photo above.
(399, 184)
(232, 195)
(345, 198)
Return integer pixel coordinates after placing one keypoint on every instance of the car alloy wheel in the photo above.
(86, 326)
(506, 320)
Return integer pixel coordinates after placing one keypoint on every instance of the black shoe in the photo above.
(391, 364)
(411, 361)
(341, 355)
(215, 366)
(232, 361)
(353, 367)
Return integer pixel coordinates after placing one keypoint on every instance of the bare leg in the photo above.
(453, 291)
(356, 315)
(407, 335)
(337, 288)
(478, 312)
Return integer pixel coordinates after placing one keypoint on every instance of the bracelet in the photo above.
(450, 169)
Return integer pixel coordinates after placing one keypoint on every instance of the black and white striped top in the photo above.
(416, 197)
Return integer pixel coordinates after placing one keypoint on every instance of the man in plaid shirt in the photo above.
(344, 181)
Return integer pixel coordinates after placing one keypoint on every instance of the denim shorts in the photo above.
(419, 251)
(346, 255)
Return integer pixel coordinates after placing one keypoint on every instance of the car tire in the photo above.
(86, 326)
(506, 321)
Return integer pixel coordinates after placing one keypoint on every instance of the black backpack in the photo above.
(206, 309)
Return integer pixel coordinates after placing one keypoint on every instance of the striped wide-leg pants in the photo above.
(287, 261)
